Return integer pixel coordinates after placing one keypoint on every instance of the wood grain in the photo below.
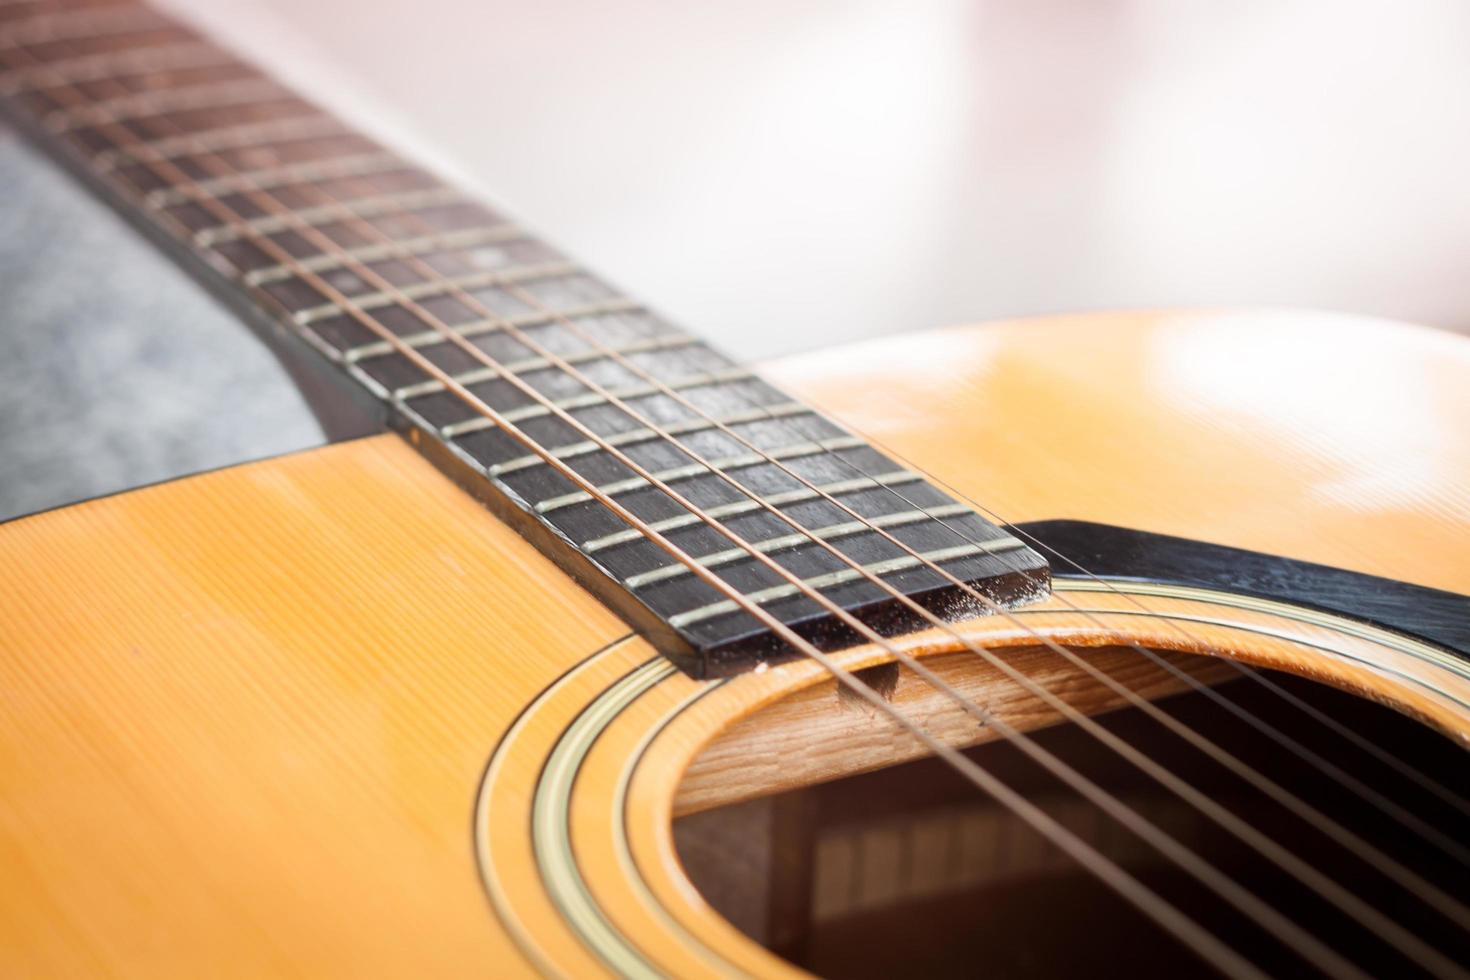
(246, 714)
(817, 735)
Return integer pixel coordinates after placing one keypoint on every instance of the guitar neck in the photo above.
(401, 281)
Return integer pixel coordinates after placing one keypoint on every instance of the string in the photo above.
(347, 306)
(1380, 861)
(1164, 914)
(1303, 871)
(487, 362)
(1285, 930)
(1168, 917)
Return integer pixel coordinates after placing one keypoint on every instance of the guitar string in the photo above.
(1287, 932)
(1306, 873)
(1378, 800)
(1411, 882)
(1402, 875)
(1162, 912)
(532, 445)
(318, 188)
(1234, 663)
(488, 363)
(1422, 780)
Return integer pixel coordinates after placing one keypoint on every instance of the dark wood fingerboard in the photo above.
(344, 244)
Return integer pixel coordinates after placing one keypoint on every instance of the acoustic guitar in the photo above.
(1135, 642)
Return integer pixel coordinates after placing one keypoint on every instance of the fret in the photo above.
(830, 533)
(267, 178)
(111, 65)
(590, 399)
(635, 436)
(718, 467)
(436, 287)
(489, 372)
(141, 105)
(763, 596)
(82, 25)
(470, 238)
(475, 328)
(321, 218)
(834, 489)
(363, 207)
(222, 138)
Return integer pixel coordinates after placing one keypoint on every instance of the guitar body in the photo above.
(324, 714)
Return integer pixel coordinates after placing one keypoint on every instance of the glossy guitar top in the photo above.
(265, 719)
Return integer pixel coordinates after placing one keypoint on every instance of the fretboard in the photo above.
(383, 269)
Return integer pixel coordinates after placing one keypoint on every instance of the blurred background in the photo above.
(785, 175)
(781, 176)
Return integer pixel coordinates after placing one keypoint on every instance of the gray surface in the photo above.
(117, 370)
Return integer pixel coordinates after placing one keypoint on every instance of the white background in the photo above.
(781, 175)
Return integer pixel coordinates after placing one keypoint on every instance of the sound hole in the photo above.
(909, 870)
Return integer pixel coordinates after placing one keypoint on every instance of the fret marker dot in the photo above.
(487, 258)
(344, 281)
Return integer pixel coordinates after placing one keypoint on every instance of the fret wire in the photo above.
(635, 436)
(368, 164)
(816, 583)
(361, 207)
(425, 244)
(718, 467)
(439, 287)
(828, 533)
(1163, 913)
(667, 342)
(234, 136)
(738, 507)
(203, 96)
(175, 56)
(477, 328)
(604, 397)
